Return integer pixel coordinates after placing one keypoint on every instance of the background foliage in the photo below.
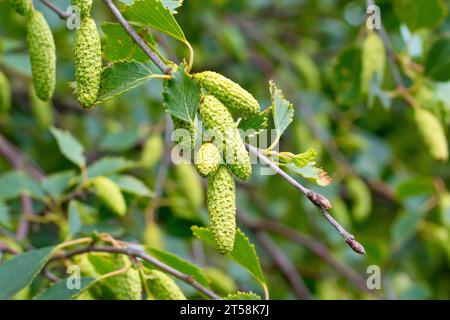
(386, 188)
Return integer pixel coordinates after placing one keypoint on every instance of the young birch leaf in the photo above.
(70, 147)
(243, 253)
(132, 185)
(282, 110)
(61, 291)
(172, 5)
(179, 264)
(109, 165)
(17, 273)
(256, 123)
(14, 183)
(311, 173)
(182, 96)
(57, 183)
(156, 15)
(121, 77)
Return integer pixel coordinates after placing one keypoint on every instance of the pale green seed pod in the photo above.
(184, 138)
(5, 93)
(221, 282)
(432, 133)
(207, 159)
(88, 62)
(42, 55)
(190, 184)
(152, 151)
(221, 203)
(128, 285)
(23, 7)
(42, 110)
(216, 117)
(85, 7)
(373, 60)
(162, 287)
(109, 193)
(361, 198)
(229, 93)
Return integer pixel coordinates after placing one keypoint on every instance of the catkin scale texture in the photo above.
(126, 286)
(85, 7)
(88, 62)
(229, 93)
(109, 193)
(42, 55)
(221, 203)
(432, 133)
(162, 287)
(207, 160)
(184, 133)
(216, 117)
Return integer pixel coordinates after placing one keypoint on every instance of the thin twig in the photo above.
(306, 242)
(316, 198)
(137, 39)
(62, 15)
(140, 254)
(24, 224)
(285, 266)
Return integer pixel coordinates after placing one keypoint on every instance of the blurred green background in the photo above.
(387, 190)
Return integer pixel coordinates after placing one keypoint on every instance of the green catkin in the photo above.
(185, 139)
(23, 7)
(5, 93)
(42, 110)
(85, 7)
(373, 60)
(42, 55)
(221, 203)
(152, 151)
(207, 159)
(128, 285)
(221, 282)
(432, 133)
(162, 287)
(216, 117)
(190, 184)
(88, 62)
(229, 93)
(109, 193)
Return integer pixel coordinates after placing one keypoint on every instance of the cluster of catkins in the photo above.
(226, 155)
(87, 52)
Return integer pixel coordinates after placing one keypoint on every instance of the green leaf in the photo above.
(70, 147)
(74, 218)
(120, 141)
(61, 291)
(121, 77)
(109, 165)
(282, 110)
(14, 183)
(57, 183)
(153, 13)
(243, 253)
(437, 65)
(5, 219)
(120, 46)
(132, 185)
(347, 76)
(311, 173)
(239, 295)
(256, 123)
(179, 264)
(17, 273)
(418, 14)
(405, 226)
(416, 186)
(182, 96)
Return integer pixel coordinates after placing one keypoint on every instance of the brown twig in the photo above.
(317, 199)
(308, 243)
(62, 15)
(136, 38)
(140, 254)
(284, 265)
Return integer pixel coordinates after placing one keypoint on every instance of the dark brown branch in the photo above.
(140, 254)
(136, 38)
(62, 15)
(317, 199)
(284, 265)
